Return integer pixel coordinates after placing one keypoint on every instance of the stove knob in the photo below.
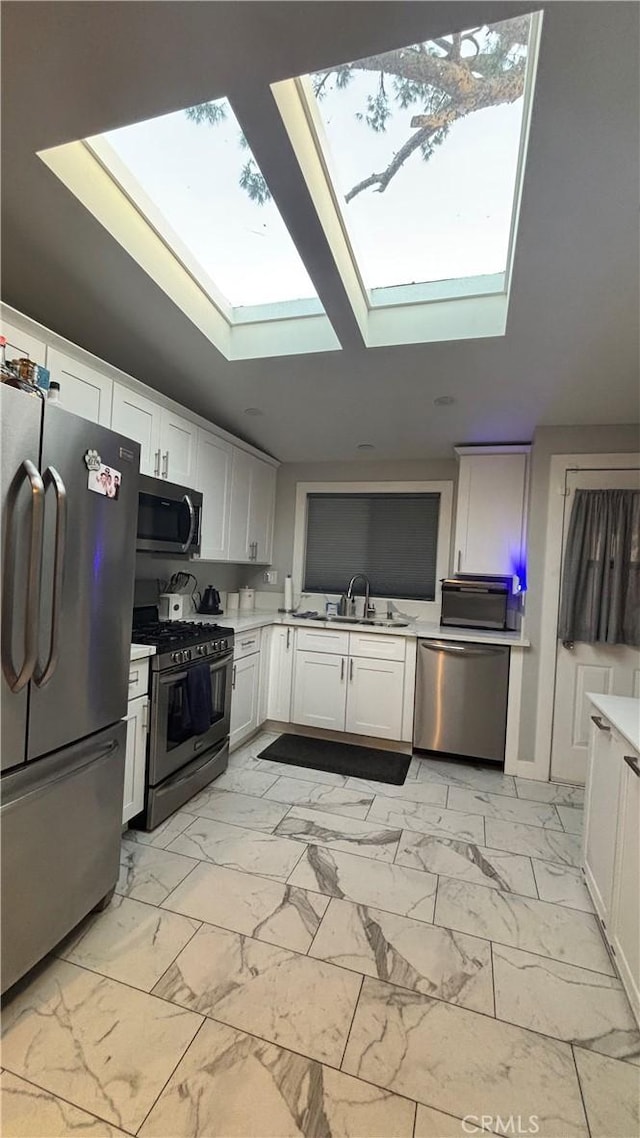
(187, 653)
(201, 650)
(224, 644)
(178, 657)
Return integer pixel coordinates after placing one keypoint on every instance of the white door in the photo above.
(320, 690)
(213, 479)
(241, 471)
(244, 698)
(139, 419)
(625, 917)
(606, 669)
(83, 390)
(261, 509)
(178, 443)
(374, 698)
(135, 757)
(280, 674)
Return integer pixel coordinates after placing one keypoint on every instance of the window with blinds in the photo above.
(392, 538)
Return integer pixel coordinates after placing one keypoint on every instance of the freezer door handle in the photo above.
(19, 679)
(41, 676)
(463, 649)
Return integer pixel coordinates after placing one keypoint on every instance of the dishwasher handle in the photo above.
(463, 649)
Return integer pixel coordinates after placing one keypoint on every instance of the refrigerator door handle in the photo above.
(192, 521)
(18, 680)
(41, 676)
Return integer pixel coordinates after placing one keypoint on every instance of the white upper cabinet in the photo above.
(213, 479)
(261, 510)
(491, 510)
(253, 489)
(167, 441)
(239, 548)
(83, 390)
(178, 438)
(21, 344)
(139, 419)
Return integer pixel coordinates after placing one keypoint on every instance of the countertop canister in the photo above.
(247, 599)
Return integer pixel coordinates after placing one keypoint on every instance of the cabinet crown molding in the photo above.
(489, 448)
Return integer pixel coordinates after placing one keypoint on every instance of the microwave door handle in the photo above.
(41, 676)
(18, 680)
(192, 523)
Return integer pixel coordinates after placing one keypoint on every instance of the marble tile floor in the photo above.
(305, 954)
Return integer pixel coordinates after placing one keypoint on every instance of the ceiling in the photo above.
(570, 355)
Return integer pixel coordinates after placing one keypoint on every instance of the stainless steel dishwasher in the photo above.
(461, 699)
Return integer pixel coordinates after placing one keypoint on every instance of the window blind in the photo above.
(392, 538)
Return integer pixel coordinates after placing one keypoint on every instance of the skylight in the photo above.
(193, 175)
(422, 146)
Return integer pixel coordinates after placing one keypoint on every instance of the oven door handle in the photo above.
(192, 522)
(175, 677)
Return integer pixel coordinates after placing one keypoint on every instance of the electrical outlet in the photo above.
(271, 576)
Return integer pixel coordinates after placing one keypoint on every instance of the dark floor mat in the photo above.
(339, 758)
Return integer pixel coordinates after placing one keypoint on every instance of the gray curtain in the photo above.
(601, 576)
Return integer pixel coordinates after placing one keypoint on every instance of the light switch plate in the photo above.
(271, 576)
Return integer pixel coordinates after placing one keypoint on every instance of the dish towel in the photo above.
(199, 698)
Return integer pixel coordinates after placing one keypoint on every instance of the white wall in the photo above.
(289, 474)
(150, 569)
(547, 442)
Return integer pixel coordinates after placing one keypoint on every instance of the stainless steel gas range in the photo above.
(190, 693)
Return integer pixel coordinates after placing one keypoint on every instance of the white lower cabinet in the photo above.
(624, 924)
(601, 806)
(136, 757)
(359, 694)
(374, 698)
(244, 698)
(320, 690)
(611, 846)
(280, 675)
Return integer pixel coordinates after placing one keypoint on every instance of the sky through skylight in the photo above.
(191, 172)
(447, 217)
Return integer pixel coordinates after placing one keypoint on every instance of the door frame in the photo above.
(560, 466)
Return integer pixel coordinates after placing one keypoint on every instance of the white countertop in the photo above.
(623, 713)
(139, 651)
(259, 618)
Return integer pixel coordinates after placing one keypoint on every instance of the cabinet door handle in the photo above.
(342, 669)
(288, 638)
(156, 465)
(459, 562)
(600, 723)
(233, 678)
(350, 671)
(165, 464)
(633, 763)
(255, 556)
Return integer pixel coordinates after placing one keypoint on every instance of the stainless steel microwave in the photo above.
(169, 518)
(479, 602)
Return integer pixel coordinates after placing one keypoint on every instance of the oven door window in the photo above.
(195, 705)
(162, 519)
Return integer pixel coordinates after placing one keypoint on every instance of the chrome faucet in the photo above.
(349, 598)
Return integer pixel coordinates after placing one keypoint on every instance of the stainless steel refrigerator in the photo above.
(69, 497)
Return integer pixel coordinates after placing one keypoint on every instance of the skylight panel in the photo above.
(423, 147)
(192, 174)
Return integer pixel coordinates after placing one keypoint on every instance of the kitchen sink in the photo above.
(368, 620)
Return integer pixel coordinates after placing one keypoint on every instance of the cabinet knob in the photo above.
(600, 723)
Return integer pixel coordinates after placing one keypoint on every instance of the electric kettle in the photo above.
(210, 603)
